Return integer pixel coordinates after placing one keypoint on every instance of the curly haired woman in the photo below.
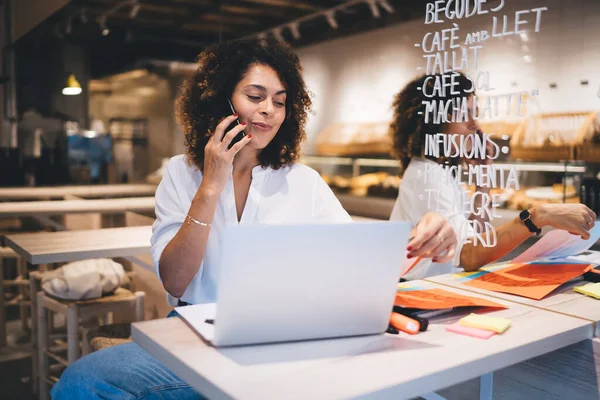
(255, 180)
(426, 184)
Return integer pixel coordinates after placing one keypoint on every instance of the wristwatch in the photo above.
(525, 217)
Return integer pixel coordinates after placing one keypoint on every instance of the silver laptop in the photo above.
(287, 283)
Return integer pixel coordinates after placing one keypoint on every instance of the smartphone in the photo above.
(240, 135)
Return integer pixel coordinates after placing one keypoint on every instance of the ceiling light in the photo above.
(73, 87)
(135, 10)
(295, 30)
(386, 6)
(331, 19)
(277, 34)
(374, 9)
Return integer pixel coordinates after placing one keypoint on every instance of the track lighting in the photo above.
(135, 10)
(374, 9)
(277, 34)
(386, 6)
(294, 28)
(330, 16)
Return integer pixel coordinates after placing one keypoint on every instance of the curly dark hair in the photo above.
(202, 101)
(408, 128)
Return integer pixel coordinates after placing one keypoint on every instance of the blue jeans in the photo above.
(123, 372)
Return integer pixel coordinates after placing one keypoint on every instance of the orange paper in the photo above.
(435, 299)
(531, 280)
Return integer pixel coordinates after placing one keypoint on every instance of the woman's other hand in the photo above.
(577, 219)
(433, 237)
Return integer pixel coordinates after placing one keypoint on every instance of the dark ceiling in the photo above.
(179, 29)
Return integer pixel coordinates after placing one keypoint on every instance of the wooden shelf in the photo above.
(357, 163)
(369, 207)
(381, 208)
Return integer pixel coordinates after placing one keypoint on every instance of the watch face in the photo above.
(524, 214)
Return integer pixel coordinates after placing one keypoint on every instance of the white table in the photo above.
(385, 366)
(563, 300)
(61, 207)
(53, 247)
(86, 191)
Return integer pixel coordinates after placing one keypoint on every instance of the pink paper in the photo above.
(473, 332)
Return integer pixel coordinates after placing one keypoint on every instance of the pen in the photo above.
(412, 265)
(404, 324)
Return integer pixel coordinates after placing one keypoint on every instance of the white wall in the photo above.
(355, 79)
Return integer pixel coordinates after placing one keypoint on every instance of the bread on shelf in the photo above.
(552, 136)
(355, 139)
(497, 129)
(589, 149)
(560, 188)
(338, 183)
(530, 197)
(388, 188)
(358, 185)
(374, 139)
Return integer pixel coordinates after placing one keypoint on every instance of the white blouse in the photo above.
(421, 183)
(290, 195)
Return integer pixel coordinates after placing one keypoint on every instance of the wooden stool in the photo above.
(106, 336)
(35, 280)
(5, 253)
(74, 311)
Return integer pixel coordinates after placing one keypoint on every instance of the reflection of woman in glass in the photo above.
(426, 186)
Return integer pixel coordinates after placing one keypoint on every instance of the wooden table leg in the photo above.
(23, 294)
(2, 306)
(72, 333)
(42, 344)
(34, 288)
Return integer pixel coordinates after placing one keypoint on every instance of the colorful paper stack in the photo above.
(480, 326)
(591, 289)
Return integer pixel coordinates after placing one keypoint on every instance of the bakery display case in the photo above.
(552, 152)
(368, 187)
(558, 136)
(589, 149)
(355, 139)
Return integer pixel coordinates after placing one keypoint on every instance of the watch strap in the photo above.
(525, 217)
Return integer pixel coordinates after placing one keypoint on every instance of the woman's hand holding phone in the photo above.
(241, 134)
(218, 157)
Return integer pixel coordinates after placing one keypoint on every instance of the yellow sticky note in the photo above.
(494, 324)
(489, 268)
(459, 275)
(591, 289)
